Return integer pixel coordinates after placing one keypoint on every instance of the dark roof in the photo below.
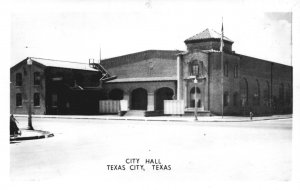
(207, 34)
(143, 55)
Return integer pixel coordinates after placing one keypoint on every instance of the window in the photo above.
(267, 94)
(256, 95)
(36, 99)
(19, 79)
(244, 92)
(236, 74)
(36, 78)
(235, 99)
(196, 68)
(18, 99)
(226, 99)
(226, 69)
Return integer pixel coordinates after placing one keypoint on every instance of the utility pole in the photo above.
(195, 82)
(29, 63)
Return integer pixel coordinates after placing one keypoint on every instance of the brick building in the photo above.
(147, 78)
(57, 87)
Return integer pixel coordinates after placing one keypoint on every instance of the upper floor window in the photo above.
(36, 78)
(196, 68)
(18, 99)
(226, 69)
(19, 79)
(236, 74)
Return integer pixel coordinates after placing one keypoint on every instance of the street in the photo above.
(84, 148)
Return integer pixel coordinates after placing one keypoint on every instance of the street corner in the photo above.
(31, 135)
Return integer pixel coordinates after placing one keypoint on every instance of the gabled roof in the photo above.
(207, 34)
(63, 64)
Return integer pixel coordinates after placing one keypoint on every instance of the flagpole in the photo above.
(222, 71)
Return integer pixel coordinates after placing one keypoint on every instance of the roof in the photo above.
(143, 79)
(139, 56)
(63, 64)
(207, 34)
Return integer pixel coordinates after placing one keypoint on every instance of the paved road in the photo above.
(82, 148)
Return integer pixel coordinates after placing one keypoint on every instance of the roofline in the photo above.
(241, 55)
(130, 54)
(206, 39)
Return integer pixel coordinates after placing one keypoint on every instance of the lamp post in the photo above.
(195, 82)
(29, 63)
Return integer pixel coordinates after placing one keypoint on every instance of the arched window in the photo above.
(235, 99)
(19, 79)
(256, 95)
(226, 98)
(267, 94)
(244, 92)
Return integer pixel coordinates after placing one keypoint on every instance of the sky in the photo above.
(76, 31)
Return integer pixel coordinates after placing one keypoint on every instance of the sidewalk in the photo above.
(31, 134)
(166, 118)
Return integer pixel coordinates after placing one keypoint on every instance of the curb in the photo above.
(154, 119)
(45, 134)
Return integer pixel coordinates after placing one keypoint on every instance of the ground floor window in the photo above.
(36, 99)
(226, 99)
(18, 99)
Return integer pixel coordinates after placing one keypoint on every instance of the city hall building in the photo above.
(148, 78)
(237, 85)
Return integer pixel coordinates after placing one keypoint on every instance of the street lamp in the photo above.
(195, 82)
(29, 63)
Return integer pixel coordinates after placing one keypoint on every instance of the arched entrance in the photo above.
(139, 99)
(116, 94)
(162, 94)
(192, 97)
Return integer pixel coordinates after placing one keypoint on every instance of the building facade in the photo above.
(57, 87)
(235, 86)
(242, 84)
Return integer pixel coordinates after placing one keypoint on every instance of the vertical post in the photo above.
(179, 78)
(195, 81)
(222, 69)
(29, 63)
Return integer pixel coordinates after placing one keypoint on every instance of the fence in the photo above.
(174, 107)
(113, 106)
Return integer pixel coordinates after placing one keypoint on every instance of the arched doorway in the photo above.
(116, 94)
(162, 94)
(139, 99)
(192, 97)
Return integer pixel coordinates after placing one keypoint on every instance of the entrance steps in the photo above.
(135, 113)
(200, 112)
